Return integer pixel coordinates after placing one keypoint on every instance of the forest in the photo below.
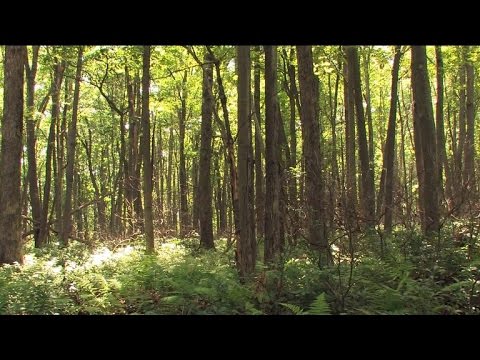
(239, 180)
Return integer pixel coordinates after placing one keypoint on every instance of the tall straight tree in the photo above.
(314, 184)
(440, 129)
(246, 243)
(11, 154)
(147, 163)
(204, 182)
(259, 180)
(469, 151)
(367, 198)
(272, 161)
(350, 158)
(389, 157)
(66, 227)
(423, 117)
(31, 71)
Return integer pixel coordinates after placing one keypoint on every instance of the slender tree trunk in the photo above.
(184, 221)
(147, 164)
(469, 151)
(56, 85)
(314, 182)
(459, 196)
(11, 154)
(246, 244)
(351, 182)
(423, 117)
(441, 151)
(31, 145)
(367, 190)
(205, 186)
(272, 181)
(72, 138)
(389, 155)
(259, 181)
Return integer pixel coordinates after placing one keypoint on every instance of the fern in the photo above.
(319, 306)
(295, 309)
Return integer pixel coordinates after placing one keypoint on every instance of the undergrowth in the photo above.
(412, 276)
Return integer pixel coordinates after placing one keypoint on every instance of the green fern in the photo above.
(295, 309)
(319, 306)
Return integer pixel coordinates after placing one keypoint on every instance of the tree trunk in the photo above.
(147, 164)
(246, 244)
(423, 117)
(440, 134)
(31, 145)
(469, 151)
(314, 182)
(56, 85)
(11, 154)
(367, 193)
(169, 178)
(351, 181)
(184, 221)
(389, 155)
(72, 138)
(259, 181)
(272, 180)
(205, 187)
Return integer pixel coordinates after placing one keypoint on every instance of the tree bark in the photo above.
(246, 244)
(272, 180)
(66, 228)
(11, 154)
(389, 157)
(147, 164)
(314, 182)
(259, 180)
(423, 117)
(205, 186)
(31, 145)
(367, 194)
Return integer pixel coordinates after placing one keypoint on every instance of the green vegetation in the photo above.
(184, 279)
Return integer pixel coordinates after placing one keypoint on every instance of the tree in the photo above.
(246, 243)
(31, 71)
(272, 179)
(314, 187)
(389, 155)
(66, 228)
(11, 154)
(204, 183)
(425, 127)
(147, 163)
(367, 194)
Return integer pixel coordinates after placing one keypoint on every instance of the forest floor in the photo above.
(411, 276)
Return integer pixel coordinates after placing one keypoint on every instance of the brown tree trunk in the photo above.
(272, 180)
(66, 228)
(350, 158)
(423, 117)
(469, 150)
(59, 69)
(314, 182)
(31, 145)
(11, 154)
(246, 244)
(389, 155)
(367, 193)
(205, 186)
(184, 221)
(147, 164)
(259, 181)
(440, 134)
